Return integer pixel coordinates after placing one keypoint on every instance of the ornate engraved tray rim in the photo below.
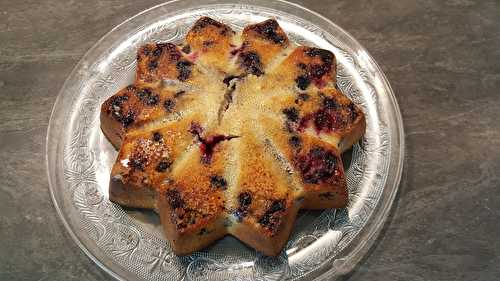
(129, 247)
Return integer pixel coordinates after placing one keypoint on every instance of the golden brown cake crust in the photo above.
(231, 133)
(211, 42)
(262, 42)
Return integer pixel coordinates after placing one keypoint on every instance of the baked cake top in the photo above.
(232, 132)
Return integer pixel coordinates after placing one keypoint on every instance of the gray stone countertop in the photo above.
(442, 58)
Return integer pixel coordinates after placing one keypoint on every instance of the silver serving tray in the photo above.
(129, 244)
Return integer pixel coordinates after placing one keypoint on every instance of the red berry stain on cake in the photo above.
(330, 117)
(207, 144)
(318, 165)
(236, 50)
(193, 56)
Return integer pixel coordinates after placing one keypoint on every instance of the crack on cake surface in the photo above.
(208, 143)
(228, 97)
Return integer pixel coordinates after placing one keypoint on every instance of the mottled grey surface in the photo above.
(441, 57)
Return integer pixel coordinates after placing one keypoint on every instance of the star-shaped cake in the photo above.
(231, 133)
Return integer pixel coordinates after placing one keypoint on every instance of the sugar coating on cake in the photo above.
(231, 133)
